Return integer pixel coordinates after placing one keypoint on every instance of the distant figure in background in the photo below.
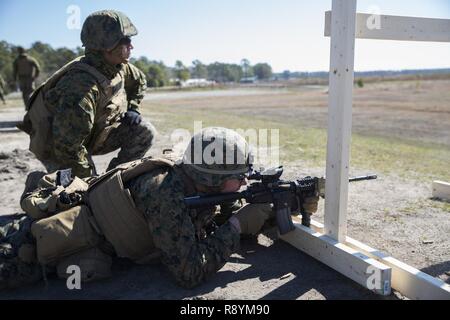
(2, 89)
(26, 70)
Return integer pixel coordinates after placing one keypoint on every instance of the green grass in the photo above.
(381, 155)
(409, 160)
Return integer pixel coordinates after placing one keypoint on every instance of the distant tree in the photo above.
(45, 55)
(216, 72)
(181, 72)
(234, 72)
(155, 72)
(262, 70)
(156, 76)
(286, 75)
(62, 56)
(7, 56)
(199, 70)
(224, 72)
(246, 68)
(142, 63)
(51, 59)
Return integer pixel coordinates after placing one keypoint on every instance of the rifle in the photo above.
(286, 196)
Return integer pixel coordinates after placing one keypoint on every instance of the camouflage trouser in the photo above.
(2, 95)
(18, 264)
(52, 165)
(133, 140)
(27, 87)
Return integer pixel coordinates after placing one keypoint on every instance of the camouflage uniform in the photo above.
(192, 247)
(26, 70)
(17, 263)
(2, 89)
(189, 242)
(77, 102)
(73, 101)
(192, 244)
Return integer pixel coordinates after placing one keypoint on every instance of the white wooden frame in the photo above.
(352, 263)
(441, 190)
(410, 281)
(398, 28)
(329, 242)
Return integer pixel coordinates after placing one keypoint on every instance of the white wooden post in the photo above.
(339, 117)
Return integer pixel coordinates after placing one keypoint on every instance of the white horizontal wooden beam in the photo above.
(407, 280)
(362, 269)
(385, 27)
(441, 190)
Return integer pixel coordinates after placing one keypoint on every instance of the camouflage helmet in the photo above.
(102, 30)
(217, 154)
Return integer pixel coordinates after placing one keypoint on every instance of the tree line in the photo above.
(158, 74)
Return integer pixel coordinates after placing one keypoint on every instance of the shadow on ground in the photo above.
(278, 271)
(440, 270)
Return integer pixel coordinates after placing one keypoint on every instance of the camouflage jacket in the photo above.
(25, 67)
(189, 250)
(2, 83)
(73, 102)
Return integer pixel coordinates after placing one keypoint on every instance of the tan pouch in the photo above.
(39, 206)
(120, 222)
(64, 234)
(94, 264)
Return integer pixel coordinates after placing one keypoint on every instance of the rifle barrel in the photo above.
(209, 200)
(360, 178)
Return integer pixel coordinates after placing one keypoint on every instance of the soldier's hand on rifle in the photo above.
(251, 218)
(310, 204)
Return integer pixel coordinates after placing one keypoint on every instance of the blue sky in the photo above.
(288, 34)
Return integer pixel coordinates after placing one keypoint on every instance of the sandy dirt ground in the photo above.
(266, 268)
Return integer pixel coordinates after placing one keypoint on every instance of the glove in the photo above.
(252, 217)
(310, 204)
(131, 117)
